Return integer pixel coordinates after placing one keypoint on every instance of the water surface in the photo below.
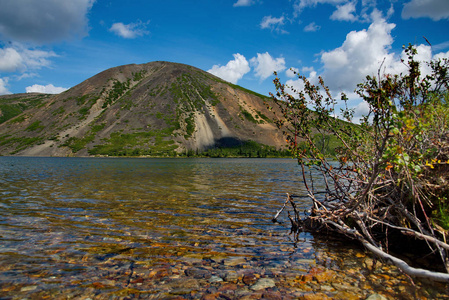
(161, 228)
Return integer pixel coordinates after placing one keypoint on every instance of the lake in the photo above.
(130, 228)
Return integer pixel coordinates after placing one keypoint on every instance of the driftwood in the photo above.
(388, 179)
(369, 204)
(332, 222)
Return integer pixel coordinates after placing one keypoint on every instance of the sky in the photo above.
(51, 45)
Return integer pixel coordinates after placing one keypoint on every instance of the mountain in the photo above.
(156, 108)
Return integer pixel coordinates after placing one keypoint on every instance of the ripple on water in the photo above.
(166, 228)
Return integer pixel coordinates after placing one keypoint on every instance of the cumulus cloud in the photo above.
(434, 9)
(312, 27)
(129, 31)
(46, 89)
(441, 55)
(364, 52)
(243, 3)
(345, 12)
(274, 24)
(264, 65)
(360, 110)
(292, 72)
(10, 60)
(361, 54)
(295, 85)
(44, 20)
(19, 59)
(300, 5)
(3, 86)
(234, 69)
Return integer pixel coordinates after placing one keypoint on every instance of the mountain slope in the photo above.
(148, 109)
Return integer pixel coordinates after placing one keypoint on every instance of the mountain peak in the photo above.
(140, 109)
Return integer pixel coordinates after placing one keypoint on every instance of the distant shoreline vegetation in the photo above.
(247, 149)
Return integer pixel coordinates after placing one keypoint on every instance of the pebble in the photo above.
(249, 279)
(219, 277)
(231, 276)
(214, 279)
(376, 297)
(263, 283)
(272, 295)
(28, 288)
(183, 286)
(234, 261)
(314, 296)
(310, 262)
(198, 273)
(327, 288)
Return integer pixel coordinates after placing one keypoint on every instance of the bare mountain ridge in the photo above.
(147, 109)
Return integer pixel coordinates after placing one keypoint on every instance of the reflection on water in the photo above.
(70, 226)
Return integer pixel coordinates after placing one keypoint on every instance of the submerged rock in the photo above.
(263, 283)
(376, 297)
(234, 261)
(198, 273)
(214, 279)
(249, 279)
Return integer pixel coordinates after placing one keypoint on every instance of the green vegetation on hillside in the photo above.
(118, 89)
(149, 109)
(192, 93)
(9, 111)
(12, 107)
(19, 142)
(77, 144)
(248, 116)
(139, 75)
(35, 126)
(147, 143)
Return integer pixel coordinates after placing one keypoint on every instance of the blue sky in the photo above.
(52, 45)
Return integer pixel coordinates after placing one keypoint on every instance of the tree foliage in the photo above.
(388, 179)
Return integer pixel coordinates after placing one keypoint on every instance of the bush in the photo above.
(391, 179)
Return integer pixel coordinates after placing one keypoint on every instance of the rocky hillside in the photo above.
(150, 109)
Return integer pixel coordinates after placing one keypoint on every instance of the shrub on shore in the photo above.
(391, 180)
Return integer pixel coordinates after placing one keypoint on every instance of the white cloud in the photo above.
(3, 86)
(434, 9)
(441, 55)
(365, 52)
(129, 31)
(295, 85)
(19, 59)
(307, 69)
(234, 69)
(361, 54)
(45, 89)
(44, 20)
(292, 72)
(274, 24)
(441, 46)
(265, 65)
(312, 27)
(360, 110)
(345, 12)
(299, 5)
(243, 3)
(10, 60)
